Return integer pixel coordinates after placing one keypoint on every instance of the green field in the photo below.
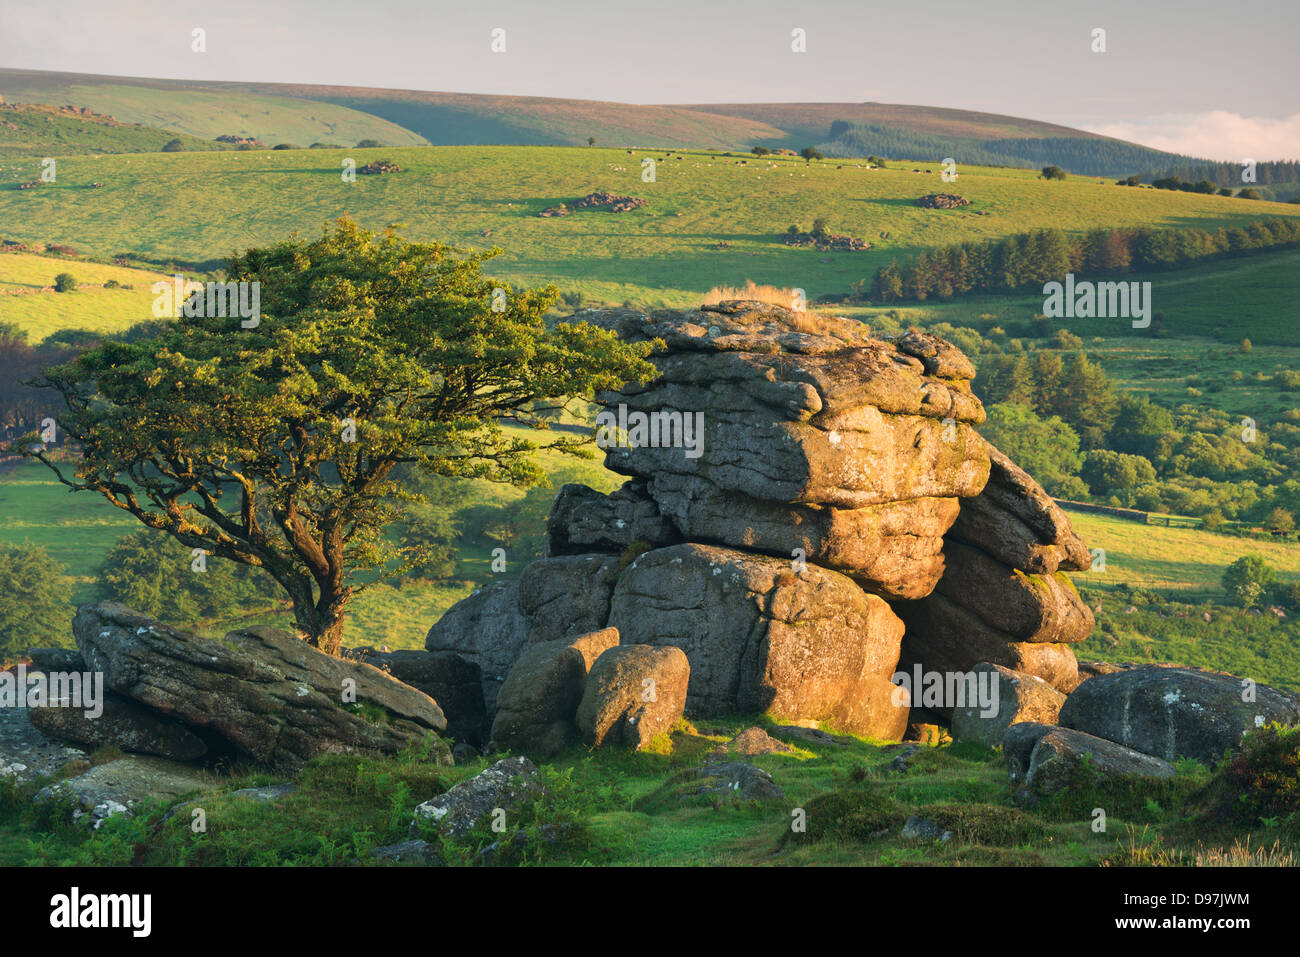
(28, 299)
(483, 196)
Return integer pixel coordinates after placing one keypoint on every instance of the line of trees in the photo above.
(1030, 259)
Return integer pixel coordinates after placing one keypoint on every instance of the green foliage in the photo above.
(1047, 449)
(152, 572)
(1108, 473)
(1247, 580)
(1053, 172)
(1260, 782)
(173, 146)
(65, 282)
(35, 607)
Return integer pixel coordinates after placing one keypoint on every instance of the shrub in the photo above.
(65, 282)
(173, 146)
(1247, 580)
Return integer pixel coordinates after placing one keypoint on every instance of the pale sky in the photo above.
(1195, 77)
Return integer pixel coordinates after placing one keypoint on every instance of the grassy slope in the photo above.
(41, 310)
(1179, 560)
(206, 113)
(456, 193)
(49, 131)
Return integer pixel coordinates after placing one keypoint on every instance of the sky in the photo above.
(1194, 77)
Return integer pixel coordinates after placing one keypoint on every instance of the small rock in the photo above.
(919, 828)
(507, 785)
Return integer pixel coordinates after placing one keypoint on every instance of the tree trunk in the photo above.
(321, 622)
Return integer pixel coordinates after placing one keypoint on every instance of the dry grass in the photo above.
(1240, 855)
(803, 320)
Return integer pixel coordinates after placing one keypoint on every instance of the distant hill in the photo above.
(308, 113)
(205, 110)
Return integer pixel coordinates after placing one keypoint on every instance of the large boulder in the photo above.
(263, 691)
(487, 628)
(567, 596)
(893, 549)
(1014, 520)
(455, 682)
(1014, 698)
(1175, 712)
(761, 637)
(801, 409)
(1018, 743)
(1058, 760)
(539, 699)
(633, 693)
(862, 457)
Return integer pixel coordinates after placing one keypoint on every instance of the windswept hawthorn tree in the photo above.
(273, 446)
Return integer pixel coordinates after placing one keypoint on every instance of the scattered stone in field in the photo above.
(737, 781)
(378, 168)
(116, 787)
(506, 785)
(609, 201)
(750, 742)
(942, 200)
(919, 828)
(267, 792)
(900, 762)
(409, 852)
(825, 242)
(814, 736)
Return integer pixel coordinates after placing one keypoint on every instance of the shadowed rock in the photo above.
(539, 700)
(270, 695)
(1058, 761)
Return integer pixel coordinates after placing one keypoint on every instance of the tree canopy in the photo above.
(274, 446)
